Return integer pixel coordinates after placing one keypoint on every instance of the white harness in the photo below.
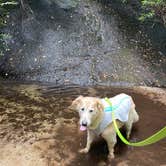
(121, 105)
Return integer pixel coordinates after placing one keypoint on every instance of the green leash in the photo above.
(150, 140)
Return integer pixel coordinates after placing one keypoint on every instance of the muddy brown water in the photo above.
(36, 128)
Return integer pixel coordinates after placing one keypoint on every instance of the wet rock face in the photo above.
(63, 44)
(85, 45)
(64, 4)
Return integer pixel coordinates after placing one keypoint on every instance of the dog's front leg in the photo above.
(90, 138)
(110, 136)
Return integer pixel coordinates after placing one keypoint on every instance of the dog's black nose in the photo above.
(84, 124)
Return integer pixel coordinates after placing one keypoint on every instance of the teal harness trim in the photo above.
(111, 107)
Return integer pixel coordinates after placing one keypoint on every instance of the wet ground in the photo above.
(88, 45)
(36, 127)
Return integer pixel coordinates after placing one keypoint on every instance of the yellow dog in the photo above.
(95, 117)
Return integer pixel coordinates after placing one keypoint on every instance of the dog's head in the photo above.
(90, 111)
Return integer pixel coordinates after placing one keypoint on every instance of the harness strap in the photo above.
(161, 134)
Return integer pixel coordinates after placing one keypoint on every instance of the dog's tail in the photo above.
(136, 116)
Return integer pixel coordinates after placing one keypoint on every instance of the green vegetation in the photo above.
(153, 9)
(5, 7)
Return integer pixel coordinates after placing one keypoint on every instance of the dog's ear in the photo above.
(75, 104)
(99, 105)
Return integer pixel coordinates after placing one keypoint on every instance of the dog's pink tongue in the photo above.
(82, 128)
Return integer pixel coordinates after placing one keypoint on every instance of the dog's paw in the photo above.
(111, 156)
(85, 150)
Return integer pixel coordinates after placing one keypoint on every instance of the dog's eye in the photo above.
(90, 111)
(82, 109)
